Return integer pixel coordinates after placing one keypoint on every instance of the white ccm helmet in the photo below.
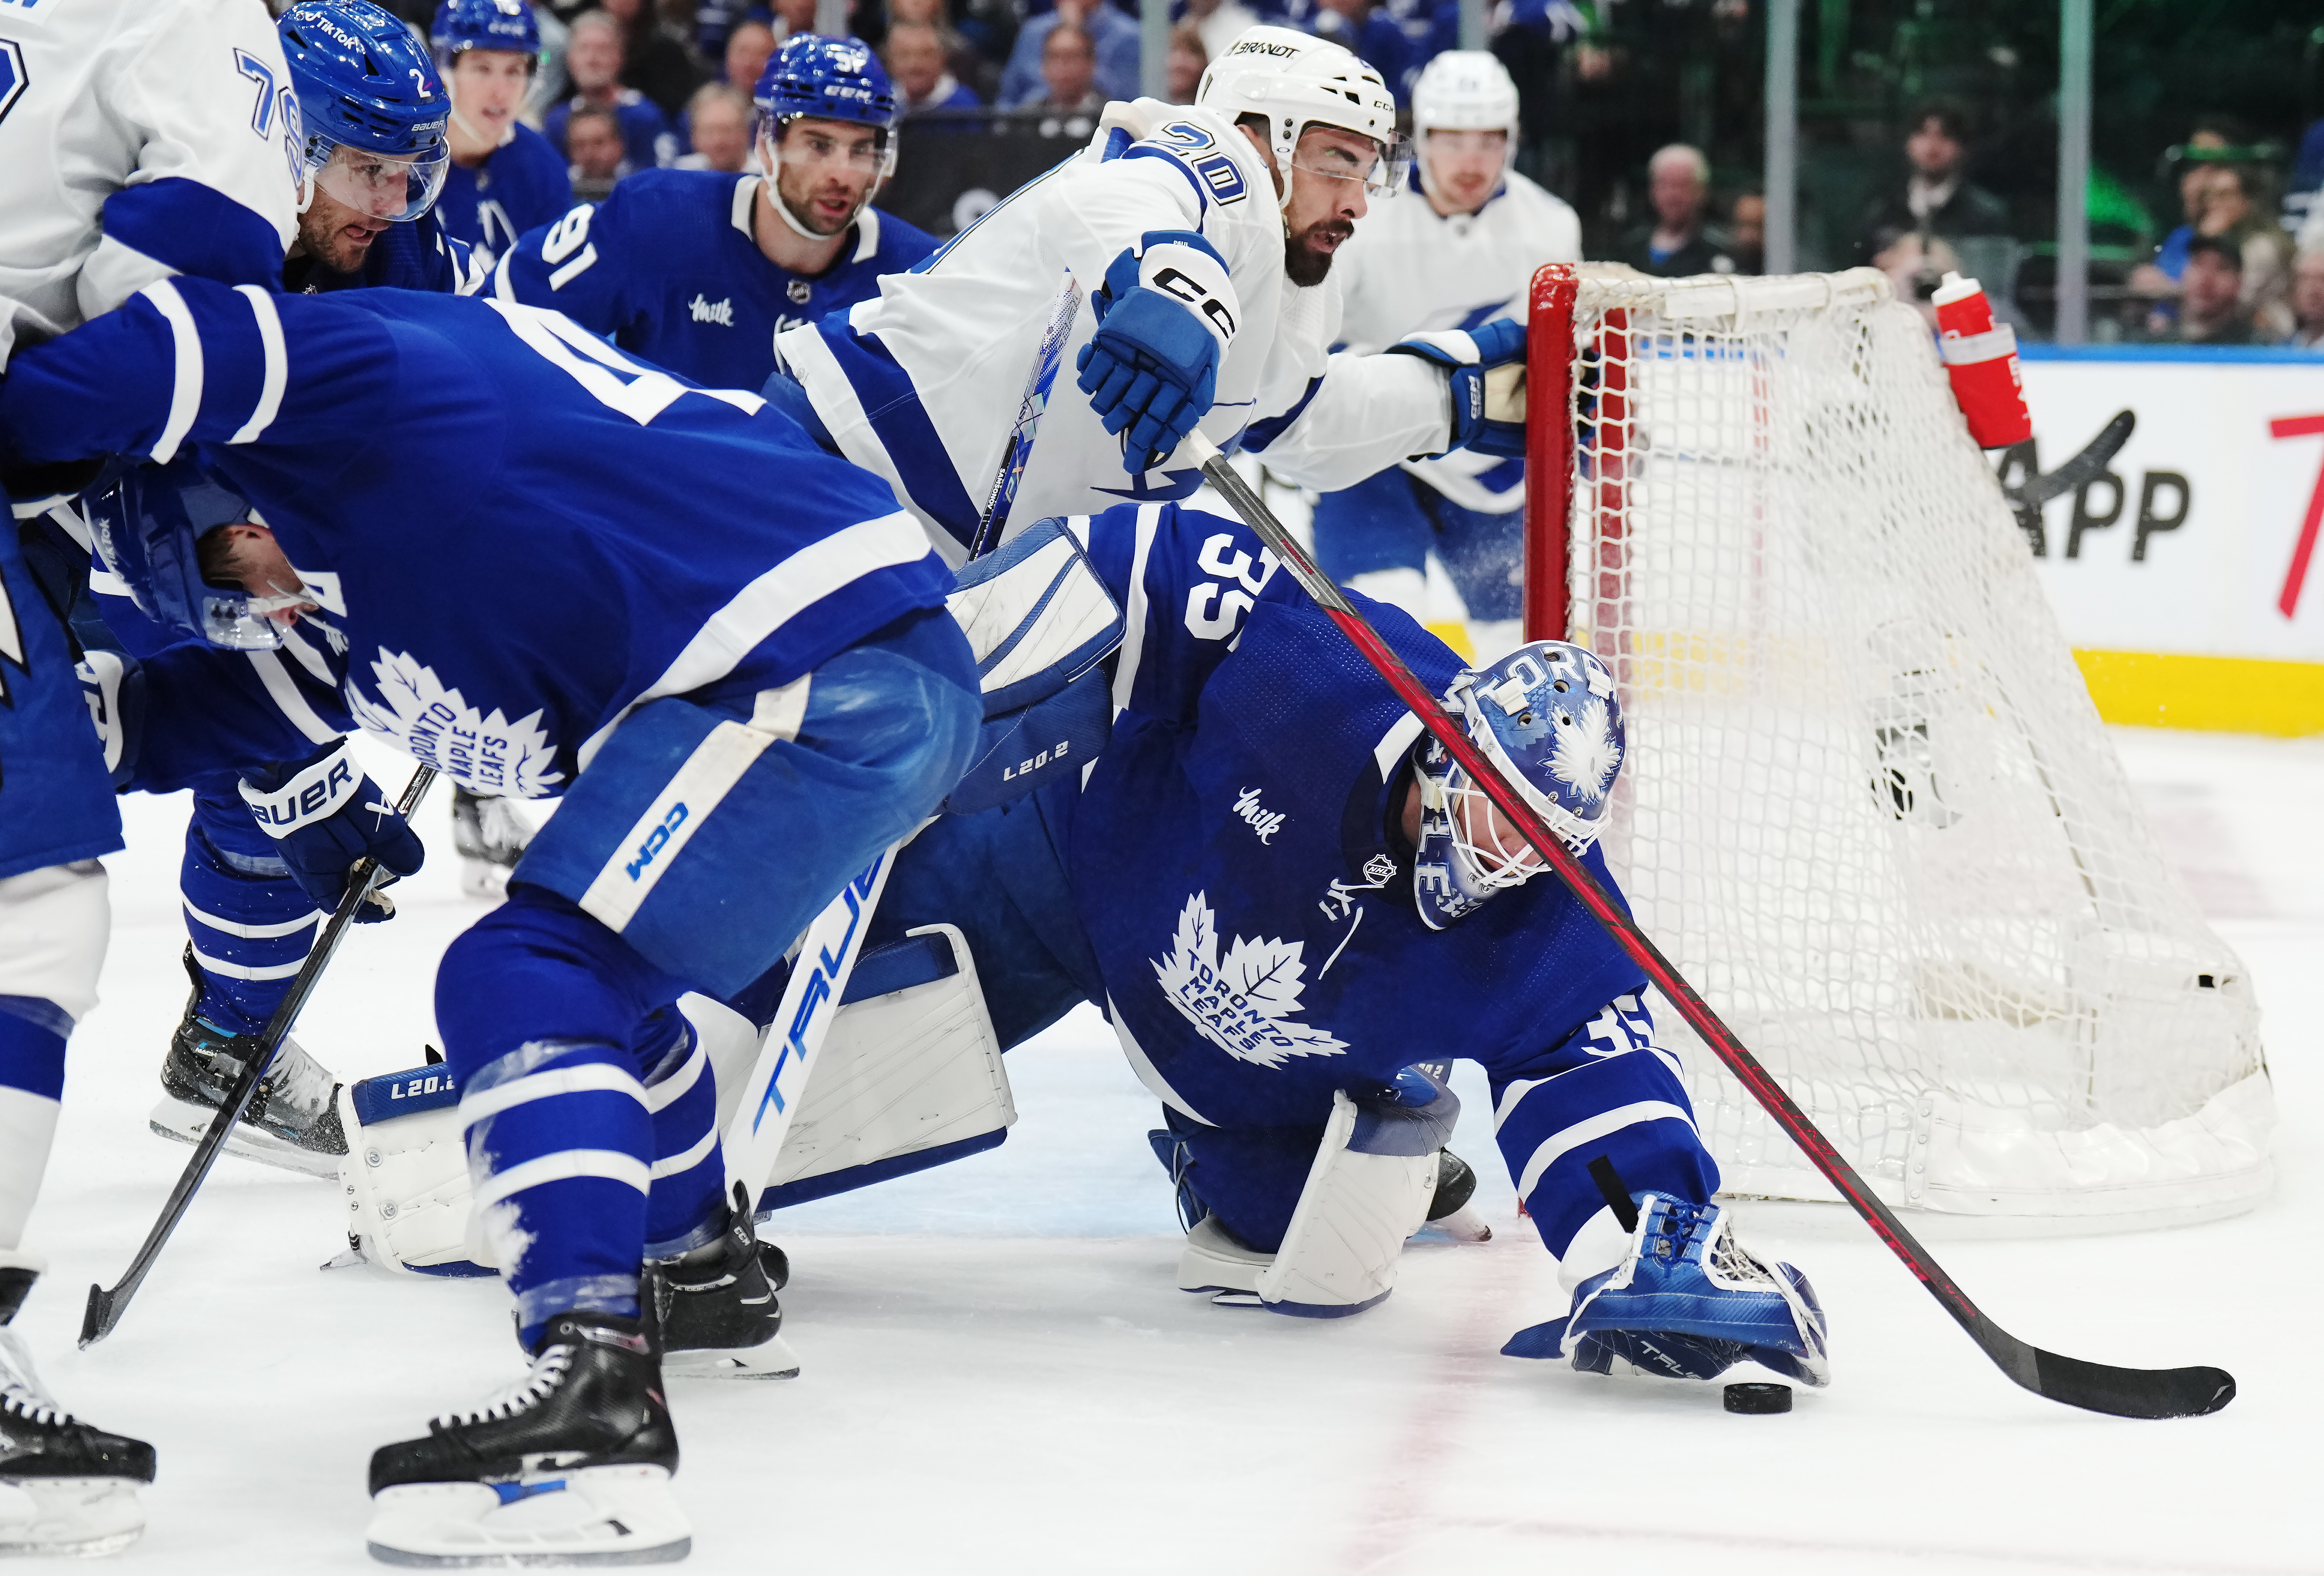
(1295, 80)
(1465, 90)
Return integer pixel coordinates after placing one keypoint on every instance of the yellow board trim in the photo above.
(2226, 695)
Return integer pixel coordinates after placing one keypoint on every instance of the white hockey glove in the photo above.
(1488, 412)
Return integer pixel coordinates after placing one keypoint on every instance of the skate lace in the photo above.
(548, 1372)
(20, 1394)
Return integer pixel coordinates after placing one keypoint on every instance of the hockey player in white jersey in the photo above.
(136, 141)
(1203, 236)
(1453, 252)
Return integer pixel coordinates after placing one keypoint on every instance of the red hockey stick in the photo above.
(2185, 1392)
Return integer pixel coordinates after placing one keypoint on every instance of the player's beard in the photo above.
(322, 232)
(1302, 263)
(801, 203)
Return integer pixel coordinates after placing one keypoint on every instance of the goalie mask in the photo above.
(146, 525)
(1546, 714)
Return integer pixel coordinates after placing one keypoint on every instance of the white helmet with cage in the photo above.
(1464, 90)
(1294, 80)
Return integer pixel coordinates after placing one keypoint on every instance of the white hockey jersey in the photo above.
(138, 139)
(922, 384)
(1408, 268)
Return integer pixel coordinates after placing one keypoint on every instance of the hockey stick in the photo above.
(2183, 1392)
(792, 1043)
(106, 1307)
(2035, 491)
(1020, 446)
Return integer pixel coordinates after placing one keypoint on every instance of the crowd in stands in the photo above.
(627, 85)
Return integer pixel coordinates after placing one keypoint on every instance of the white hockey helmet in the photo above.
(1464, 90)
(1295, 80)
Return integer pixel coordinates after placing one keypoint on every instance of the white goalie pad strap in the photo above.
(910, 1077)
(1340, 1256)
(1035, 614)
(53, 923)
(406, 1174)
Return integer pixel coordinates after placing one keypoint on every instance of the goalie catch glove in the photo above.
(1165, 315)
(1485, 369)
(324, 814)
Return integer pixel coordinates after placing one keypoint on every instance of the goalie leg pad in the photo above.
(406, 1174)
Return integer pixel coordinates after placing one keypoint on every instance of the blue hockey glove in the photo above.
(1489, 419)
(113, 684)
(324, 814)
(1165, 315)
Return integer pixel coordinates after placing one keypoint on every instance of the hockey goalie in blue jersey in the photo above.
(728, 654)
(1285, 898)
(697, 271)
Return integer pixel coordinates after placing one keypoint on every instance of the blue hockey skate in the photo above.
(1686, 1302)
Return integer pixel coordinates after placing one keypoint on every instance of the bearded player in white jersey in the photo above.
(138, 139)
(1454, 251)
(1203, 236)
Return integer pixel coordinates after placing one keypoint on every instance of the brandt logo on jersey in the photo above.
(1244, 1003)
(418, 713)
(719, 312)
(1265, 822)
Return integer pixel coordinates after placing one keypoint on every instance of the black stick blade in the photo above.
(97, 1320)
(2130, 1392)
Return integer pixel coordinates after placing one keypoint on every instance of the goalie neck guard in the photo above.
(1294, 80)
(1547, 715)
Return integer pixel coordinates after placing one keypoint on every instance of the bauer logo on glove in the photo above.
(324, 816)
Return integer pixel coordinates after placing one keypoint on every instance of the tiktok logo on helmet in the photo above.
(1547, 715)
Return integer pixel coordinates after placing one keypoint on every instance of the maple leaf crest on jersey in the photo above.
(1244, 1003)
(489, 753)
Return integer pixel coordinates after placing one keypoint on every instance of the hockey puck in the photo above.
(1758, 1400)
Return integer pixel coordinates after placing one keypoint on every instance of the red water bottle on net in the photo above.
(1981, 360)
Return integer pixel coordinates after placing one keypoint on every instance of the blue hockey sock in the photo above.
(251, 925)
(551, 1025)
(686, 1207)
(33, 1032)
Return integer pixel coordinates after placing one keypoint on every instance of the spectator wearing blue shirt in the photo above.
(1112, 35)
(594, 58)
(915, 54)
(718, 126)
(2161, 276)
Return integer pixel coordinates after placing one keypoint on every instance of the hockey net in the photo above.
(1869, 809)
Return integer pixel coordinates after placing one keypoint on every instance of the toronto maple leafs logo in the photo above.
(415, 712)
(1244, 1003)
(1585, 757)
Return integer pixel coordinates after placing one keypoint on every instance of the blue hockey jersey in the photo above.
(1233, 862)
(667, 267)
(418, 255)
(516, 533)
(521, 184)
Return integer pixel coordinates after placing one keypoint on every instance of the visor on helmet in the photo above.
(394, 187)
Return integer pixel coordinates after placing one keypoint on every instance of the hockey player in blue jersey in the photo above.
(731, 661)
(505, 177)
(369, 101)
(171, 123)
(698, 271)
(375, 115)
(1284, 896)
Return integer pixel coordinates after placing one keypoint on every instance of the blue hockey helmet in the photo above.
(813, 78)
(375, 112)
(146, 526)
(1547, 715)
(462, 25)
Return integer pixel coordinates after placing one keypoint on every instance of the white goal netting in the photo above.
(1869, 810)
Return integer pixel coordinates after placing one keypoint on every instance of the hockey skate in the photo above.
(65, 1487)
(293, 1120)
(490, 837)
(1686, 1302)
(719, 1316)
(569, 1466)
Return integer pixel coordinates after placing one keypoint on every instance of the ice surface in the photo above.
(1001, 1376)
